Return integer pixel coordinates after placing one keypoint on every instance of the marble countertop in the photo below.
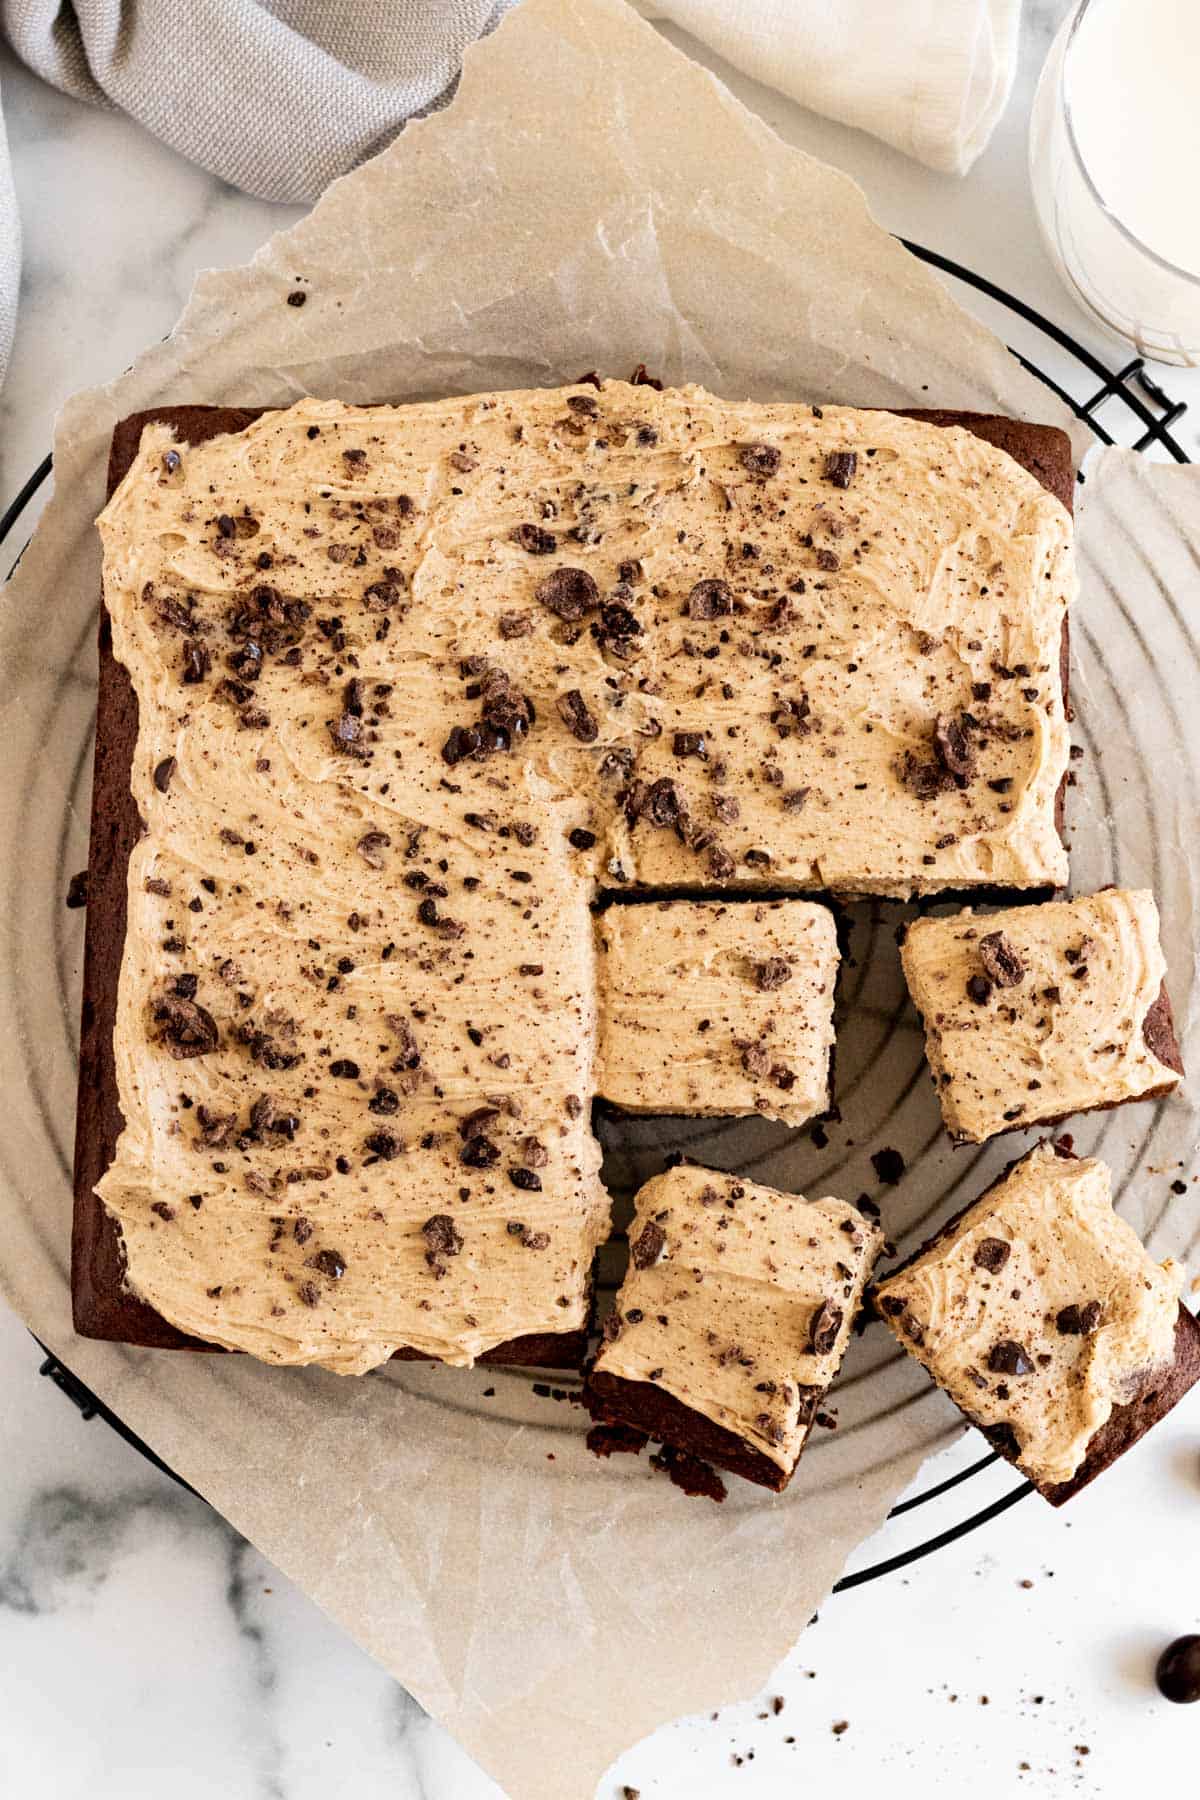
(149, 1649)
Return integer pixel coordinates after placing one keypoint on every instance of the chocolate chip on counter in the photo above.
(648, 1246)
(840, 466)
(824, 1327)
(573, 711)
(1000, 960)
(77, 890)
(772, 973)
(888, 1165)
(163, 772)
(710, 599)
(569, 593)
(979, 989)
(1177, 1672)
(1007, 1357)
(759, 459)
(992, 1254)
(534, 539)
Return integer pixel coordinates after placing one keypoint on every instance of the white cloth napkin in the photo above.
(279, 96)
(931, 77)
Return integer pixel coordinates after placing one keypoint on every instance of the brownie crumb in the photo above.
(759, 459)
(616, 1440)
(687, 1472)
(888, 1165)
(573, 711)
(77, 890)
(840, 466)
(648, 1246)
(1000, 960)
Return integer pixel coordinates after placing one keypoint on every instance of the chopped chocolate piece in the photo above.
(185, 1028)
(648, 1247)
(533, 538)
(1009, 1358)
(840, 466)
(371, 847)
(464, 741)
(773, 973)
(344, 1069)
(1000, 960)
(1079, 1321)
(77, 890)
(329, 1263)
(515, 624)
(992, 1254)
(888, 1165)
(573, 711)
(759, 459)
(690, 743)
(384, 1102)
(579, 839)
(824, 1327)
(953, 748)
(979, 989)
(163, 772)
(197, 661)
(710, 599)
(479, 1152)
(570, 593)
(442, 1236)
(528, 1179)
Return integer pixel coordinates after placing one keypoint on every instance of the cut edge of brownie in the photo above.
(614, 1400)
(1159, 1389)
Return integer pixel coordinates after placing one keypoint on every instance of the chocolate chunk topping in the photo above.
(344, 1069)
(1009, 1358)
(479, 1152)
(1079, 1321)
(197, 661)
(953, 748)
(840, 466)
(384, 1144)
(464, 741)
(534, 539)
(185, 1028)
(371, 847)
(759, 459)
(710, 599)
(384, 1102)
(772, 973)
(573, 711)
(579, 839)
(570, 593)
(979, 989)
(329, 1263)
(824, 1327)
(528, 1179)
(442, 1238)
(992, 1254)
(163, 772)
(648, 1246)
(690, 743)
(1000, 960)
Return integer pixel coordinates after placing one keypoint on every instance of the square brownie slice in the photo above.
(718, 1007)
(1042, 1011)
(1041, 1315)
(732, 1320)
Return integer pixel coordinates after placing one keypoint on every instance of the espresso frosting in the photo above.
(739, 1301)
(1058, 1027)
(1038, 1310)
(512, 647)
(717, 1007)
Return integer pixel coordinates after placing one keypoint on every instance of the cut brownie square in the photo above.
(1042, 1011)
(1041, 1315)
(732, 1320)
(718, 1007)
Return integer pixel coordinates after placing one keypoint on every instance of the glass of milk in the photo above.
(1114, 157)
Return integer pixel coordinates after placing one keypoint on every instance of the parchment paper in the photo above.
(590, 199)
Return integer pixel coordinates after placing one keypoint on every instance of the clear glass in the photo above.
(1113, 148)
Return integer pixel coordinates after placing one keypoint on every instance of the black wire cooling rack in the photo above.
(1138, 414)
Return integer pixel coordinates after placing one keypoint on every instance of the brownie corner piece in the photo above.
(1038, 1012)
(1038, 1311)
(732, 1320)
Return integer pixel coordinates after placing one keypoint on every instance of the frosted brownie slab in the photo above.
(717, 1007)
(1041, 1315)
(1042, 1011)
(732, 1320)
